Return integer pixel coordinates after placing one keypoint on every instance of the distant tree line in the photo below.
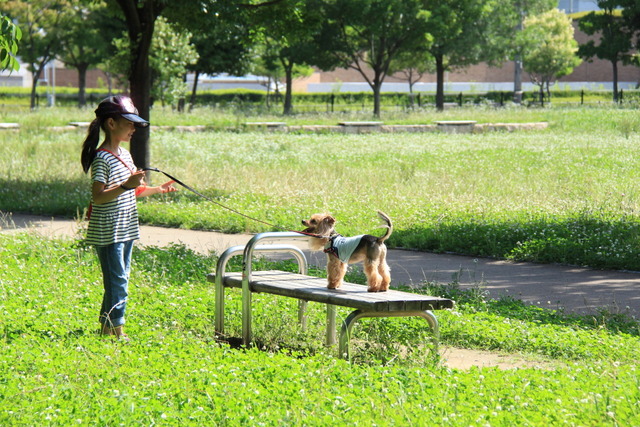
(150, 45)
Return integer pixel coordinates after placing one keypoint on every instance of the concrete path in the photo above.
(575, 289)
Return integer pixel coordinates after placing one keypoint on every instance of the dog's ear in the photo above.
(329, 220)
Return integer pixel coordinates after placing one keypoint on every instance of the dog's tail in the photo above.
(388, 225)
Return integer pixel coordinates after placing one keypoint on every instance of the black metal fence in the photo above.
(336, 102)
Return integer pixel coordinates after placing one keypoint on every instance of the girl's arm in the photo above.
(167, 187)
(101, 194)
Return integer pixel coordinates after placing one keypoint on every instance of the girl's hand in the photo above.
(135, 180)
(167, 187)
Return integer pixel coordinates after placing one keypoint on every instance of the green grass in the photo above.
(566, 194)
(55, 370)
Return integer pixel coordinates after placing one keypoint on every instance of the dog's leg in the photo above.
(384, 271)
(336, 270)
(373, 278)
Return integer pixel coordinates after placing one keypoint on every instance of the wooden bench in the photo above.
(306, 288)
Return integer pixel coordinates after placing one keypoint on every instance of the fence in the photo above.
(343, 102)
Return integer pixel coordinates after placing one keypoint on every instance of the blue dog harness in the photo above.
(342, 247)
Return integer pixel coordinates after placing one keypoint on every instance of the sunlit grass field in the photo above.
(564, 194)
(55, 370)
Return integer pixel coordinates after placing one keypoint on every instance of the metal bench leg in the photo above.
(219, 321)
(302, 314)
(330, 339)
(433, 323)
(246, 313)
(347, 325)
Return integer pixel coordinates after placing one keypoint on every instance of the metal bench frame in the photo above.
(320, 294)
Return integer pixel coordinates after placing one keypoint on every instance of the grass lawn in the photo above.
(55, 369)
(565, 194)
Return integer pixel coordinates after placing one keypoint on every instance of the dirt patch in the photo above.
(460, 358)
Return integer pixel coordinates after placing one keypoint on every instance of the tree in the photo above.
(463, 33)
(367, 35)
(222, 37)
(549, 48)
(171, 54)
(514, 14)
(140, 17)
(615, 41)
(267, 65)
(43, 23)
(413, 66)
(287, 31)
(84, 44)
(10, 35)
(631, 26)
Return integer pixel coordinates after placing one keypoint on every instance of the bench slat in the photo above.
(314, 289)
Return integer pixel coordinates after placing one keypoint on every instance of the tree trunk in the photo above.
(82, 84)
(615, 81)
(34, 83)
(377, 86)
(267, 102)
(517, 79)
(194, 89)
(181, 101)
(439, 82)
(140, 86)
(109, 82)
(548, 92)
(288, 99)
(140, 22)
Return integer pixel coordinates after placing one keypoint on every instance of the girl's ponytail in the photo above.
(90, 144)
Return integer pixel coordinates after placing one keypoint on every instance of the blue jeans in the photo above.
(115, 260)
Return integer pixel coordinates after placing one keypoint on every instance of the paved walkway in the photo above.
(575, 289)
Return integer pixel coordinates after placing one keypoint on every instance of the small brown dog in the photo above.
(342, 251)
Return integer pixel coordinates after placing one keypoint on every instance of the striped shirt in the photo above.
(115, 221)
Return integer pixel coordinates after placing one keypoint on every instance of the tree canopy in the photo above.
(614, 44)
(84, 44)
(286, 34)
(463, 32)
(366, 35)
(43, 23)
(550, 47)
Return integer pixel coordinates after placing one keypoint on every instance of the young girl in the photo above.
(113, 219)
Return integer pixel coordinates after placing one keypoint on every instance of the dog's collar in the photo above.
(329, 247)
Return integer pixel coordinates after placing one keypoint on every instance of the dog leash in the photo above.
(177, 181)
